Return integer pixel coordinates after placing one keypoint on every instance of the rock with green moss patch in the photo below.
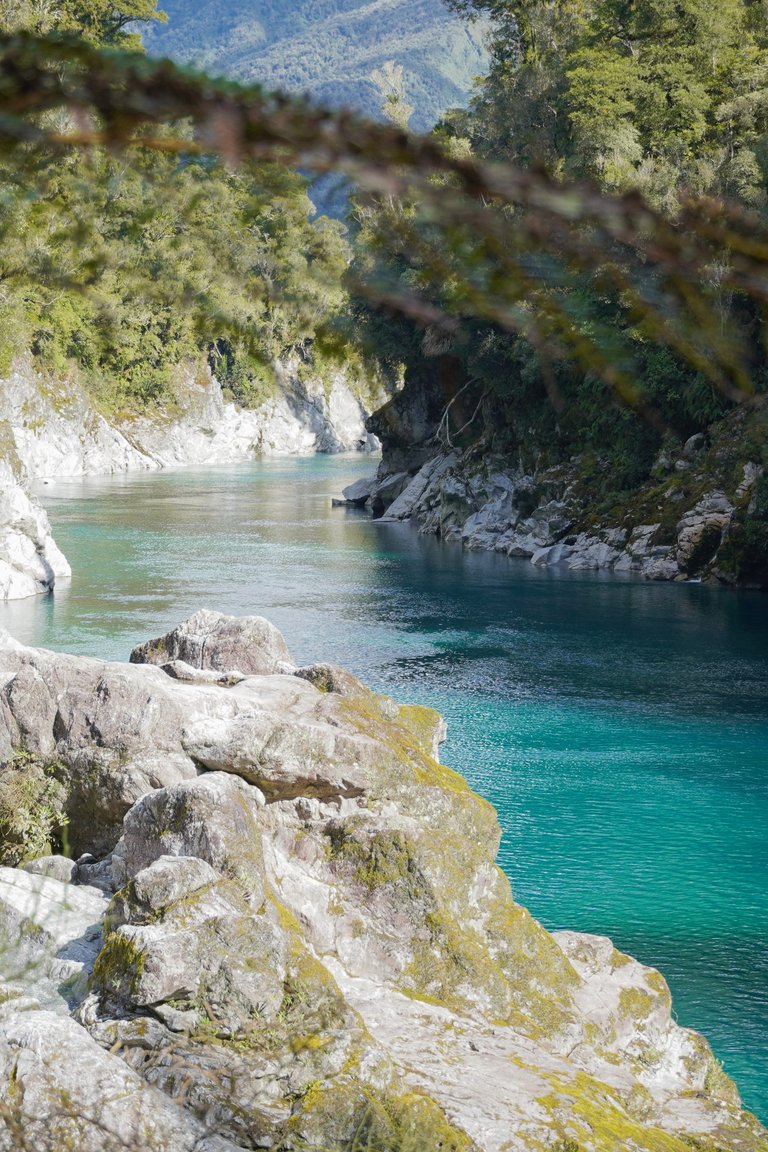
(330, 953)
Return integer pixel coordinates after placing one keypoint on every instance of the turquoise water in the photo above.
(620, 727)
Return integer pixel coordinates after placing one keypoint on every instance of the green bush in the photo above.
(32, 817)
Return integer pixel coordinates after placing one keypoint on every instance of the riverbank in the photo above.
(618, 726)
(50, 429)
(287, 921)
(700, 512)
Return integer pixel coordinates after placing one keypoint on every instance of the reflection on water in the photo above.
(618, 726)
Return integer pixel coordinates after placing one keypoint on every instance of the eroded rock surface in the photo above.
(211, 641)
(309, 938)
(698, 512)
(53, 429)
(30, 561)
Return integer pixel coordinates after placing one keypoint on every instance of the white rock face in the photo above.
(76, 1095)
(51, 430)
(50, 935)
(30, 561)
(315, 924)
(57, 432)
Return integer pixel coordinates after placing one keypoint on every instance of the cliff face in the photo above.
(56, 430)
(701, 512)
(290, 932)
(52, 429)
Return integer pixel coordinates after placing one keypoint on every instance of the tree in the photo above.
(669, 96)
(98, 22)
(505, 245)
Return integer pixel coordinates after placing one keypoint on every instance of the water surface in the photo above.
(620, 727)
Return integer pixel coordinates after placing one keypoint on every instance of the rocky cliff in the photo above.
(55, 429)
(285, 929)
(51, 429)
(702, 512)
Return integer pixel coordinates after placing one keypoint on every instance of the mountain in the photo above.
(330, 47)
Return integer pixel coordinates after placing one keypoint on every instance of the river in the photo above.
(619, 727)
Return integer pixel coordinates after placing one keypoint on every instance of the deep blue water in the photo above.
(620, 727)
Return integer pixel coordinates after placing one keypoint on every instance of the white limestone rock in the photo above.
(211, 641)
(211, 818)
(701, 529)
(50, 935)
(56, 432)
(30, 561)
(76, 1095)
(56, 867)
(359, 493)
(290, 955)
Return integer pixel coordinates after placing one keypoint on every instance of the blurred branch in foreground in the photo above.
(480, 240)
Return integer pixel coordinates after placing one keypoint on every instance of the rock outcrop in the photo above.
(309, 944)
(50, 429)
(30, 561)
(542, 516)
(698, 511)
(55, 431)
(211, 642)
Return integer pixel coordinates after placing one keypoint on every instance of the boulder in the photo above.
(180, 932)
(358, 494)
(107, 732)
(56, 867)
(212, 818)
(331, 678)
(50, 934)
(30, 561)
(59, 1090)
(694, 444)
(283, 759)
(249, 645)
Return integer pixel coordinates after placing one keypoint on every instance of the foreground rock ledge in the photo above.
(289, 932)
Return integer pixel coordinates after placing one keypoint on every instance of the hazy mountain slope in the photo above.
(330, 47)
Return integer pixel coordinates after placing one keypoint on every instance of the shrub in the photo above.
(32, 817)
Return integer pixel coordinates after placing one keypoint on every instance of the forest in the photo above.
(566, 340)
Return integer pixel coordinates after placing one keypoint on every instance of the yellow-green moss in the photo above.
(423, 724)
(586, 1110)
(349, 1116)
(119, 966)
(636, 1004)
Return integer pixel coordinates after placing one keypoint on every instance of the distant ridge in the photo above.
(330, 47)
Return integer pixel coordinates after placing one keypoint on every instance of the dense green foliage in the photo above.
(662, 96)
(101, 22)
(600, 289)
(330, 47)
(32, 817)
(126, 268)
(665, 98)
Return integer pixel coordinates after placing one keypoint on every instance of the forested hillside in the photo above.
(330, 47)
(665, 100)
(133, 267)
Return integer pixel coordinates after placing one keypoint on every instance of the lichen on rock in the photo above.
(310, 944)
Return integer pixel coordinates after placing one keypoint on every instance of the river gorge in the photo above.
(619, 727)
